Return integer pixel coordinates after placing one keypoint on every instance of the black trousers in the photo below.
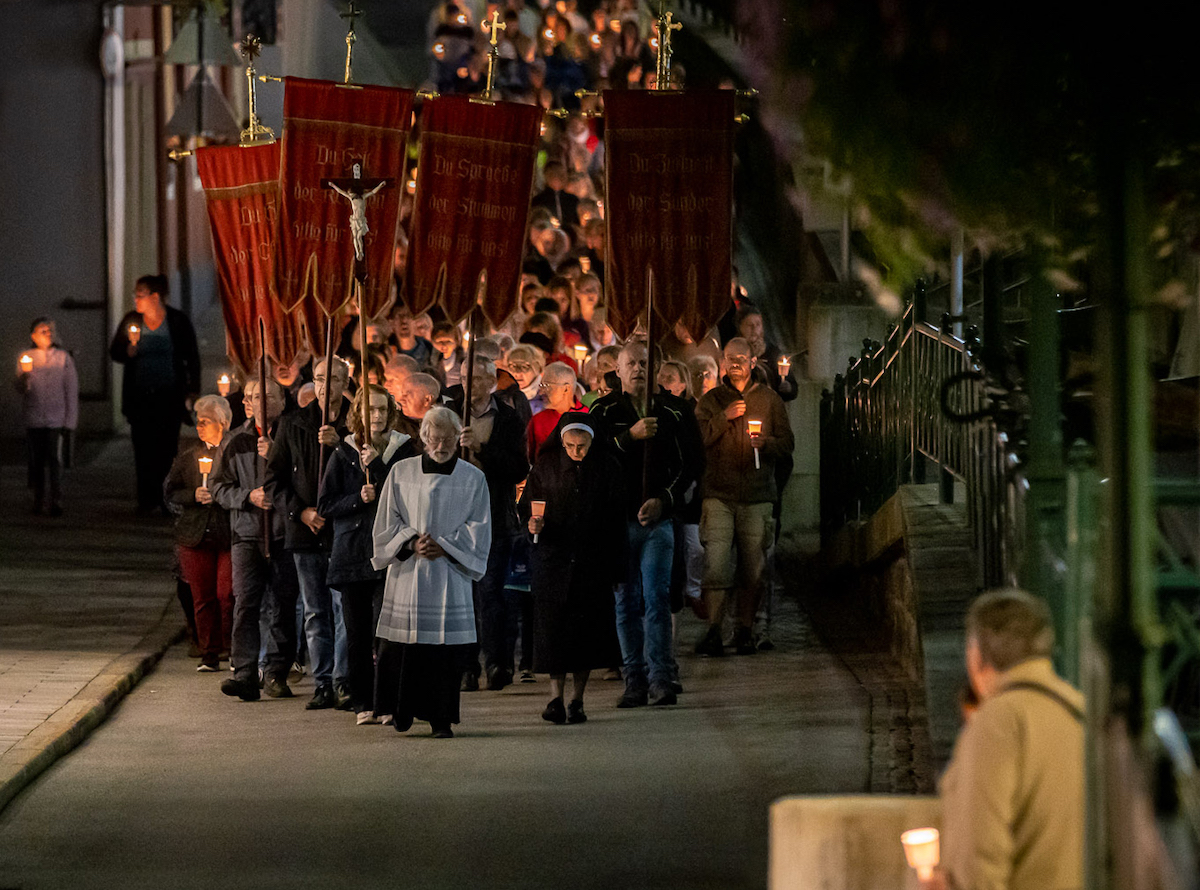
(496, 609)
(154, 426)
(267, 587)
(45, 460)
(361, 603)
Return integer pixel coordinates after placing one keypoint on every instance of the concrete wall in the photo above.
(52, 219)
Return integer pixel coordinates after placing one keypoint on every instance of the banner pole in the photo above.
(470, 379)
(261, 420)
(362, 363)
(325, 400)
(649, 403)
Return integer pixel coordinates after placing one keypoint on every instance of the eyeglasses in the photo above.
(551, 385)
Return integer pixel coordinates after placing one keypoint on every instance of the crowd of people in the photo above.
(438, 530)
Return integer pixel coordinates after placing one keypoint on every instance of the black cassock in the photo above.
(580, 554)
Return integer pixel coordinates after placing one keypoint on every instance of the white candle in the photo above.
(785, 365)
(538, 510)
(922, 851)
(581, 353)
(26, 363)
(755, 428)
(205, 464)
(223, 384)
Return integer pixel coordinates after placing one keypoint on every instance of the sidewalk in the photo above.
(87, 606)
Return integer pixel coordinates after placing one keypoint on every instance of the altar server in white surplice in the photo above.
(432, 533)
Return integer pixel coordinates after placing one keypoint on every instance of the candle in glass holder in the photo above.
(223, 384)
(581, 353)
(26, 363)
(921, 849)
(538, 510)
(755, 428)
(205, 464)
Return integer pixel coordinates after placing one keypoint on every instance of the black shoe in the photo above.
(633, 698)
(575, 712)
(56, 511)
(246, 690)
(498, 678)
(555, 712)
(661, 698)
(470, 682)
(277, 688)
(402, 723)
(677, 687)
(764, 643)
(342, 693)
(322, 699)
(710, 644)
(743, 642)
(528, 677)
(443, 732)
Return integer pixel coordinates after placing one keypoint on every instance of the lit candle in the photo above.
(223, 384)
(585, 264)
(538, 509)
(755, 428)
(134, 333)
(26, 363)
(921, 850)
(785, 365)
(205, 464)
(581, 352)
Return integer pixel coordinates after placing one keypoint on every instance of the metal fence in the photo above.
(922, 396)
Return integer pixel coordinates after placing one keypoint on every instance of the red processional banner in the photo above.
(241, 188)
(475, 176)
(329, 130)
(669, 205)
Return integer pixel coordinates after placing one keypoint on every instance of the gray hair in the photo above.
(214, 406)
(559, 373)
(1010, 626)
(439, 417)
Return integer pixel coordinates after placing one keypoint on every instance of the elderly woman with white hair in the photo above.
(202, 531)
(432, 534)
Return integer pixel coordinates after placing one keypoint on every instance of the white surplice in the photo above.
(429, 600)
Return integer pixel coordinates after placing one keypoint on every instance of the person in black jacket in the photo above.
(348, 500)
(292, 483)
(202, 532)
(157, 345)
(264, 574)
(494, 441)
(668, 438)
(580, 553)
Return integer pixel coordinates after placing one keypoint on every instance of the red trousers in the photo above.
(210, 575)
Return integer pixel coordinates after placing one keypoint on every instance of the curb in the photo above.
(74, 721)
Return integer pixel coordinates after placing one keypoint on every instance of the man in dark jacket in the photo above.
(157, 346)
(667, 438)
(745, 431)
(264, 574)
(494, 441)
(293, 481)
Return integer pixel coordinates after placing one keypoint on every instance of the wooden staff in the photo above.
(470, 379)
(649, 402)
(325, 400)
(362, 362)
(260, 418)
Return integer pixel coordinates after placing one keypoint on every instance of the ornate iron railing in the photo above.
(922, 396)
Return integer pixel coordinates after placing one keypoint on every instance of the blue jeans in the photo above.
(644, 607)
(311, 567)
(341, 645)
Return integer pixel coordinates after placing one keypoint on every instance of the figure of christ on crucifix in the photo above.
(357, 190)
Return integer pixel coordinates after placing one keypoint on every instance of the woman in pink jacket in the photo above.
(47, 380)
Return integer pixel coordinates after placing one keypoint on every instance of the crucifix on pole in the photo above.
(356, 189)
(351, 15)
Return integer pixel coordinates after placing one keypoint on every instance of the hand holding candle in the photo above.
(755, 428)
(922, 851)
(223, 384)
(205, 463)
(26, 363)
(537, 511)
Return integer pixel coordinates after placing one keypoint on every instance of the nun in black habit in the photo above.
(573, 507)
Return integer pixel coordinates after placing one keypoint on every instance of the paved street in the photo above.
(183, 787)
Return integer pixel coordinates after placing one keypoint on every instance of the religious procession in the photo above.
(498, 412)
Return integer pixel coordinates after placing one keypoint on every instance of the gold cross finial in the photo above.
(251, 48)
(667, 24)
(352, 12)
(495, 24)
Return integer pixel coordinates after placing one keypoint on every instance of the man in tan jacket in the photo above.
(1012, 796)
